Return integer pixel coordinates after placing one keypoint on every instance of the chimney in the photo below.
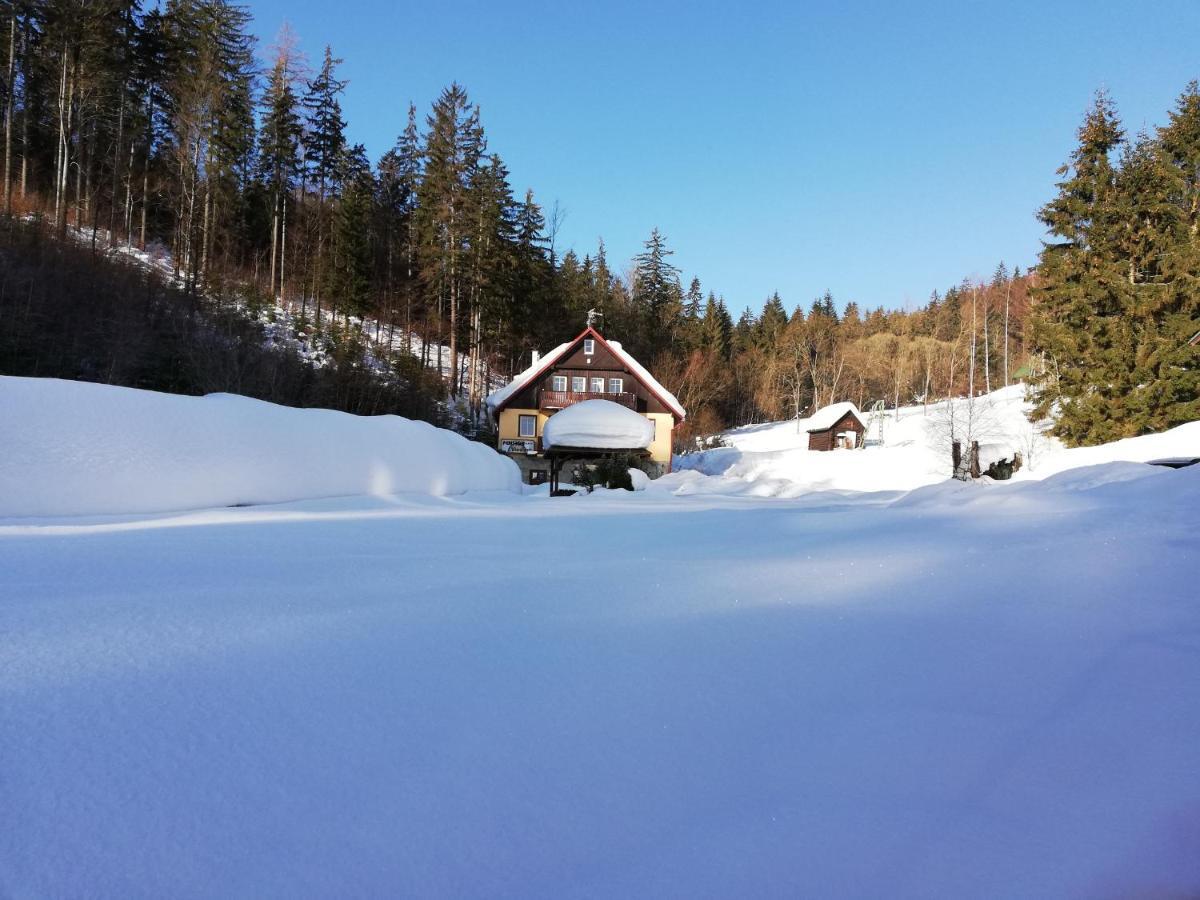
(536, 358)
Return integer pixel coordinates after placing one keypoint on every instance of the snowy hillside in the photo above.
(70, 448)
(906, 450)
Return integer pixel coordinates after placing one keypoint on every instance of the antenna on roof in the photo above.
(593, 315)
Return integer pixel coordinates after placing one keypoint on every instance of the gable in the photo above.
(606, 361)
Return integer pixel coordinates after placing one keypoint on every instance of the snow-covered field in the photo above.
(983, 690)
(906, 450)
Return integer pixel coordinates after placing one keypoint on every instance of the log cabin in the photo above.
(836, 427)
(587, 367)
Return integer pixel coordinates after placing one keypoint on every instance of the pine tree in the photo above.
(350, 259)
(1085, 292)
(279, 155)
(324, 149)
(1171, 310)
(771, 323)
(453, 148)
(657, 294)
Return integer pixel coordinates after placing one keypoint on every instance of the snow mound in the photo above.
(598, 424)
(71, 449)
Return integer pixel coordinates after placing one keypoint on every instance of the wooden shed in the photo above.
(836, 427)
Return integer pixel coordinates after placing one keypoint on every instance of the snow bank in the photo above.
(598, 424)
(70, 448)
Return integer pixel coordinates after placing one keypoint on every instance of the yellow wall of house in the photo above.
(660, 450)
(509, 427)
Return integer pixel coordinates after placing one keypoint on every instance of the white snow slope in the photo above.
(68, 448)
(773, 460)
(970, 690)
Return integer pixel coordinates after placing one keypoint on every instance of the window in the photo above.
(578, 384)
(589, 346)
(616, 385)
(560, 382)
(654, 432)
(527, 426)
(597, 385)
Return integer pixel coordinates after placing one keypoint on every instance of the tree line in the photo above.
(773, 364)
(159, 129)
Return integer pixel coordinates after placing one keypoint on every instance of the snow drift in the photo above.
(598, 424)
(70, 448)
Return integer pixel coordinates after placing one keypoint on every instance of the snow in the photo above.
(71, 448)
(968, 689)
(828, 416)
(598, 424)
(995, 452)
(773, 460)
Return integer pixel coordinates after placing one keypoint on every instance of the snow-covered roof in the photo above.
(668, 399)
(598, 424)
(497, 399)
(827, 416)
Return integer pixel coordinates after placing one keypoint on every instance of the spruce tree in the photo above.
(1085, 293)
(656, 294)
(279, 157)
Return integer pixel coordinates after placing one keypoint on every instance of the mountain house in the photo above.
(588, 367)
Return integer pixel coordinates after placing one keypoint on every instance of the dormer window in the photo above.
(589, 346)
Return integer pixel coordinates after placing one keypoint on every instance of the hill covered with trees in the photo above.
(159, 130)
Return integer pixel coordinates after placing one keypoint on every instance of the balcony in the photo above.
(563, 399)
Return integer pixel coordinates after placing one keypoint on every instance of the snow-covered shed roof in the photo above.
(497, 399)
(598, 425)
(828, 416)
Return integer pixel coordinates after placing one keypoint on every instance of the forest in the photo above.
(160, 130)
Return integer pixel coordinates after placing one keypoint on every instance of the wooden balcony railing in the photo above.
(563, 399)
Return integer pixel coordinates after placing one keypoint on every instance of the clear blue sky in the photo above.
(880, 150)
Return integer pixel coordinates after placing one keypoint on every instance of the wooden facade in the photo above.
(602, 366)
(828, 438)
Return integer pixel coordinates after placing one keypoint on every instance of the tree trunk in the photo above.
(1007, 299)
(274, 248)
(60, 162)
(8, 113)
